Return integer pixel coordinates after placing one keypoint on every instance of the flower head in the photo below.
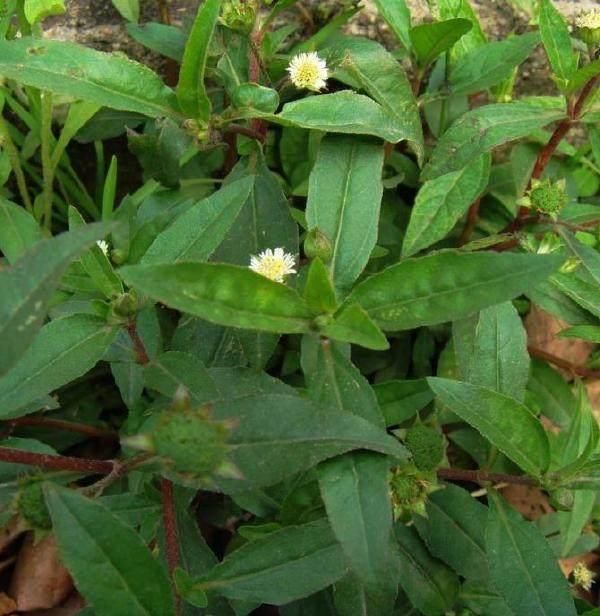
(273, 264)
(103, 245)
(588, 19)
(582, 576)
(308, 71)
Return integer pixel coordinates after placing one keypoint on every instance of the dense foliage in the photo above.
(289, 310)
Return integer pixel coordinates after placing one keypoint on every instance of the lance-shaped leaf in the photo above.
(191, 91)
(63, 350)
(281, 567)
(447, 285)
(197, 233)
(110, 564)
(18, 230)
(224, 294)
(491, 63)
(557, 42)
(491, 349)
(344, 197)
(429, 40)
(484, 128)
(69, 69)
(441, 202)
(28, 285)
(522, 566)
(397, 15)
(341, 112)
(278, 435)
(506, 423)
(367, 66)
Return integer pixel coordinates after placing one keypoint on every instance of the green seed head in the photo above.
(547, 197)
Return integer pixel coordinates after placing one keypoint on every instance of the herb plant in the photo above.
(291, 316)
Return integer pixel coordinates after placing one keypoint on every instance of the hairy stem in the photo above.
(563, 363)
(64, 463)
(171, 533)
(47, 166)
(67, 426)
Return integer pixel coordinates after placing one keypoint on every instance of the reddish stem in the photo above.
(67, 426)
(257, 125)
(65, 463)
(563, 363)
(459, 474)
(471, 223)
(170, 526)
(141, 355)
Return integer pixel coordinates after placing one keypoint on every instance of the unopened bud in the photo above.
(317, 244)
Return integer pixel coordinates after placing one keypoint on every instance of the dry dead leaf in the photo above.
(71, 607)
(593, 390)
(7, 604)
(542, 329)
(39, 580)
(529, 501)
(13, 530)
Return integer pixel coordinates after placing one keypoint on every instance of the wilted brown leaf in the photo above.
(39, 580)
(529, 501)
(7, 605)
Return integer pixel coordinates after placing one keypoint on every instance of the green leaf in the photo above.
(225, 294)
(18, 230)
(573, 522)
(279, 434)
(334, 381)
(111, 80)
(129, 9)
(340, 112)
(397, 15)
(401, 400)
(581, 286)
(491, 63)
(454, 531)
(429, 584)
(198, 232)
(441, 202)
(505, 422)
(557, 42)
(373, 69)
(174, 369)
(581, 76)
(38, 10)
(281, 567)
(446, 286)
(452, 9)
(355, 490)
(26, 288)
(318, 289)
(429, 40)
(191, 91)
(166, 40)
(63, 350)
(552, 393)
(584, 332)
(352, 324)
(590, 258)
(481, 130)
(96, 263)
(522, 566)
(110, 564)
(344, 197)
(353, 597)
(491, 348)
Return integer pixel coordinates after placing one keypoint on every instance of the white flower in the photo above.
(583, 576)
(103, 245)
(308, 71)
(273, 264)
(588, 19)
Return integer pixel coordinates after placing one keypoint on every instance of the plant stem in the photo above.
(64, 463)
(15, 163)
(563, 363)
(171, 533)
(163, 10)
(138, 345)
(68, 426)
(460, 474)
(471, 223)
(47, 166)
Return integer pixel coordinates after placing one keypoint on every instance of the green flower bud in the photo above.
(317, 244)
(547, 197)
(562, 499)
(426, 446)
(239, 15)
(31, 505)
(126, 304)
(118, 256)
